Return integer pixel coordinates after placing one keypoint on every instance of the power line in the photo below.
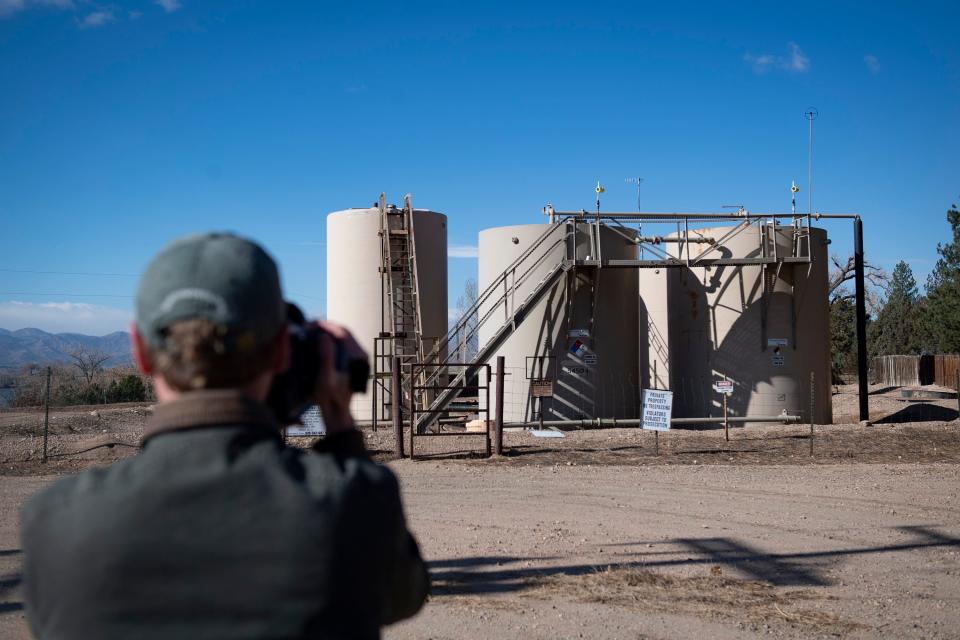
(110, 295)
(75, 295)
(72, 273)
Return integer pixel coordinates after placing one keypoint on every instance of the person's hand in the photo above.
(333, 387)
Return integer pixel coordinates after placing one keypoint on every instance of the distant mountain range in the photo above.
(33, 346)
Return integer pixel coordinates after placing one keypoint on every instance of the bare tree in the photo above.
(89, 362)
(843, 272)
(467, 338)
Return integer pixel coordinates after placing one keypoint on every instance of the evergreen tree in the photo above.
(942, 313)
(843, 336)
(894, 331)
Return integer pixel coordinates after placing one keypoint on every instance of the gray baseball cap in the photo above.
(222, 277)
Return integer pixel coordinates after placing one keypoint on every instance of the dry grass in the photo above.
(713, 596)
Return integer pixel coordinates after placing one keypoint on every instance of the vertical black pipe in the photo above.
(498, 424)
(861, 319)
(395, 391)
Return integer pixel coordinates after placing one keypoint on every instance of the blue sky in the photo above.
(125, 124)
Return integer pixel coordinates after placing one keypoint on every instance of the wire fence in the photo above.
(99, 434)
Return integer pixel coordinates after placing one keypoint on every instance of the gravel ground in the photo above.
(595, 535)
(601, 551)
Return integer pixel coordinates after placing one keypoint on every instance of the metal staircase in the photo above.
(498, 298)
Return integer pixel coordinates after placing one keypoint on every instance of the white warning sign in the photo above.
(657, 409)
(312, 424)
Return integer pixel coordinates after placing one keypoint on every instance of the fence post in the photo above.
(812, 398)
(396, 404)
(46, 416)
(498, 424)
(373, 390)
(958, 393)
(726, 420)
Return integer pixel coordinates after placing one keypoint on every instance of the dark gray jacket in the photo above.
(218, 530)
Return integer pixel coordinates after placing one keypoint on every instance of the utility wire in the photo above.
(72, 273)
(75, 295)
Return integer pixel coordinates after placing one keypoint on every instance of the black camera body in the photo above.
(293, 391)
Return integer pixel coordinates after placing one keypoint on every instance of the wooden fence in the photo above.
(945, 370)
(905, 371)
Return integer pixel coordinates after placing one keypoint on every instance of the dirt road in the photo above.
(718, 551)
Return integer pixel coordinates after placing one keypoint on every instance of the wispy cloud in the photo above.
(10, 7)
(872, 63)
(796, 61)
(97, 18)
(169, 5)
(63, 317)
(462, 251)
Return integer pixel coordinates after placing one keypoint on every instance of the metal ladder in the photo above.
(398, 265)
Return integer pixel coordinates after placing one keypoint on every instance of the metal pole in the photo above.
(395, 402)
(498, 425)
(726, 423)
(46, 416)
(373, 391)
(812, 403)
(958, 394)
(810, 166)
(487, 404)
(656, 442)
(413, 407)
(861, 320)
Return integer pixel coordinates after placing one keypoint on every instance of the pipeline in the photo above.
(613, 423)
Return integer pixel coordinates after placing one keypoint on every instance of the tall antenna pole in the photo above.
(637, 181)
(810, 114)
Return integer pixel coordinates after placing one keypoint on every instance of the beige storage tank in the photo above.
(353, 279)
(719, 324)
(582, 333)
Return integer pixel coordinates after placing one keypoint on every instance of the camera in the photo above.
(294, 390)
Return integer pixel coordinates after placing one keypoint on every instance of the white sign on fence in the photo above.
(657, 409)
(312, 424)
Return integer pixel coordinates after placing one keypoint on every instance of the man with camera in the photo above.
(217, 529)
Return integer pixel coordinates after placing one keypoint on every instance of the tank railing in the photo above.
(495, 285)
(468, 330)
(729, 235)
(632, 239)
(453, 387)
(698, 216)
(462, 324)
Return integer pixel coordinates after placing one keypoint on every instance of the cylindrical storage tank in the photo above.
(354, 293)
(581, 335)
(725, 324)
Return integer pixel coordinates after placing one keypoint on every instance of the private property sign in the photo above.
(312, 424)
(657, 408)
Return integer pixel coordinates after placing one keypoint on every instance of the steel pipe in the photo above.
(699, 215)
(600, 423)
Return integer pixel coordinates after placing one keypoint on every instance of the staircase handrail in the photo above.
(482, 298)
